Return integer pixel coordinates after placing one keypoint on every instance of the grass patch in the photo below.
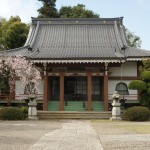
(122, 126)
(140, 129)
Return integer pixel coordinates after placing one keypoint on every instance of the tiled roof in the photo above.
(73, 39)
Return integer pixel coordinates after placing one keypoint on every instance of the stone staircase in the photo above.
(73, 115)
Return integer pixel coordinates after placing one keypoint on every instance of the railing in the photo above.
(128, 97)
(25, 96)
(4, 96)
(9, 98)
(40, 96)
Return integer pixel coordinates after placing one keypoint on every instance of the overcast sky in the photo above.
(136, 13)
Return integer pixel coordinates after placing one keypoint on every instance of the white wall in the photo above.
(19, 89)
(112, 85)
(128, 69)
(40, 87)
(40, 90)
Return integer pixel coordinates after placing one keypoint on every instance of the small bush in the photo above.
(11, 113)
(148, 84)
(145, 100)
(24, 109)
(137, 85)
(136, 113)
(148, 91)
(145, 75)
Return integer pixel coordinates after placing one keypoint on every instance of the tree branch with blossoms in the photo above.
(20, 68)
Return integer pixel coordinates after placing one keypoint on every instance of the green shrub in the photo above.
(137, 85)
(145, 100)
(11, 113)
(148, 91)
(145, 75)
(136, 113)
(24, 109)
(148, 84)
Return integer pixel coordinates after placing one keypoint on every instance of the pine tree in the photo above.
(48, 10)
(78, 11)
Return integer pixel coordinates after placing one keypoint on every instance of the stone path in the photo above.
(74, 135)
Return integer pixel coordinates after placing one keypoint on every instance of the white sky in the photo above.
(136, 12)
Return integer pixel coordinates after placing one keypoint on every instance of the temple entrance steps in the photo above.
(76, 106)
(53, 106)
(97, 106)
(73, 115)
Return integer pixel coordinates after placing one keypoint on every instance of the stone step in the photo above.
(73, 115)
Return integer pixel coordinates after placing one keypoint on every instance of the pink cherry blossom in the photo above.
(20, 68)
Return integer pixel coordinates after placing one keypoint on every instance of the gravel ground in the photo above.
(22, 135)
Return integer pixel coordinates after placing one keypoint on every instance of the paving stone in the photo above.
(71, 135)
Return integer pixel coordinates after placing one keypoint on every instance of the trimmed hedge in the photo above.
(11, 113)
(145, 75)
(136, 113)
(145, 100)
(137, 85)
(148, 84)
(148, 91)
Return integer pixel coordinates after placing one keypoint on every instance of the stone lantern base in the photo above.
(116, 112)
(32, 111)
(115, 118)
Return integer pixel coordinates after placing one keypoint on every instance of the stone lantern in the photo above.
(32, 111)
(116, 112)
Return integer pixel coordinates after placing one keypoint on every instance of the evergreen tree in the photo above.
(78, 11)
(48, 10)
(13, 33)
(143, 85)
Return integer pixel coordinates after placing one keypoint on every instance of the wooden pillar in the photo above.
(61, 91)
(89, 75)
(138, 77)
(45, 94)
(106, 88)
(45, 88)
(11, 92)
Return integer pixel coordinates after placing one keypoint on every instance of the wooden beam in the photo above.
(61, 91)
(123, 78)
(89, 75)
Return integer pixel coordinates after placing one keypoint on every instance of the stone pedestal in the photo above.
(116, 112)
(32, 111)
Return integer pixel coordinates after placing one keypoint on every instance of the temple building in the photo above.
(83, 62)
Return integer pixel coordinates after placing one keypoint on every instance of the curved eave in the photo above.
(136, 58)
(78, 61)
(16, 49)
(136, 54)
